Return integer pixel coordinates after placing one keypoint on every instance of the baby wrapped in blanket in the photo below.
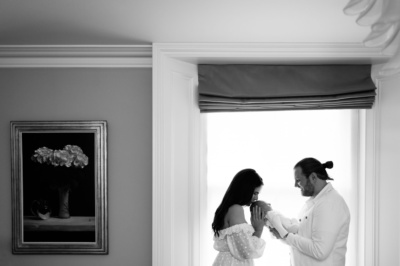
(291, 225)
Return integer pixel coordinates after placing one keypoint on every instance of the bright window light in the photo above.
(272, 143)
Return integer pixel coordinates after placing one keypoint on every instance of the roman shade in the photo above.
(228, 88)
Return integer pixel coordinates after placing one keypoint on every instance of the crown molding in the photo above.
(274, 53)
(28, 56)
(140, 56)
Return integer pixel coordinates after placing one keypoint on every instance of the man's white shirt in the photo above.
(323, 229)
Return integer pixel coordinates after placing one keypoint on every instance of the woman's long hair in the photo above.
(240, 191)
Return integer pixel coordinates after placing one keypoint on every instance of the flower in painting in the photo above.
(62, 158)
(71, 155)
(81, 160)
(42, 155)
(73, 149)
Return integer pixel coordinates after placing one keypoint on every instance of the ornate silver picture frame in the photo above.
(59, 187)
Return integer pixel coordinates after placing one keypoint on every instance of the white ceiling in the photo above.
(128, 22)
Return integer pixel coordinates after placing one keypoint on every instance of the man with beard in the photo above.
(323, 222)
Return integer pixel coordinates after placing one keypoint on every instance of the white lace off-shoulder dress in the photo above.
(237, 246)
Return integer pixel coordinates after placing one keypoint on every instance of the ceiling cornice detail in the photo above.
(141, 56)
(126, 56)
(273, 53)
(383, 17)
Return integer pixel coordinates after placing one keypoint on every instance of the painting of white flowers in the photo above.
(59, 187)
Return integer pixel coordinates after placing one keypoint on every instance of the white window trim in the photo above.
(176, 229)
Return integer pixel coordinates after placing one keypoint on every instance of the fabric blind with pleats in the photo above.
(228, 88)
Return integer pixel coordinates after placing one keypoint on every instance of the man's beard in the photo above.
(308, 190)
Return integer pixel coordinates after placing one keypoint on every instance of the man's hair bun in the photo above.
(328, 164)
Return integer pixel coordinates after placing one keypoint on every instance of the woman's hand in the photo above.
(257, 220)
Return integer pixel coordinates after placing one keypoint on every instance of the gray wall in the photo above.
(123, 98)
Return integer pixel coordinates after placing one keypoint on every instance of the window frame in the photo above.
(177, 165)
(357, 179)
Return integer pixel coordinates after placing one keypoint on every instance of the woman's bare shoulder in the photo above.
(236, 208)
(235, 215)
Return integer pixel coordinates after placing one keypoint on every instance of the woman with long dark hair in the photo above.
(237, 241)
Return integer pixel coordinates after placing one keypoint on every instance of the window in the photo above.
(271, 143)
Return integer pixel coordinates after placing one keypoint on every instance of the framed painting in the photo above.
(59, 187)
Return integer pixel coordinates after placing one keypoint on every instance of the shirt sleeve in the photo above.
(291, 225)
(243, 245)
(328, 219)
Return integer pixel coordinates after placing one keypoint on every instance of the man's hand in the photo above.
(275, 233)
